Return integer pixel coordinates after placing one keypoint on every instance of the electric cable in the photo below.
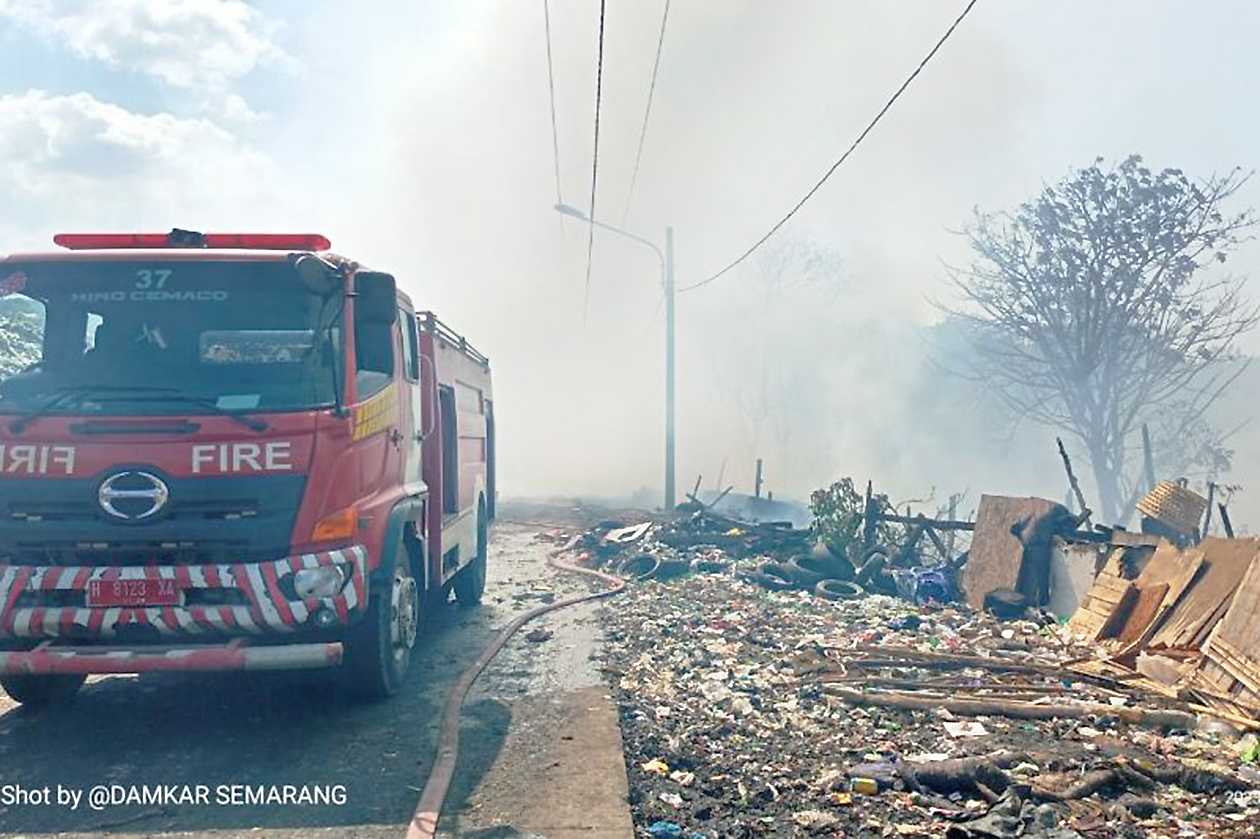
(599, 84)
(647, 113)
(843, 157)
(551, 89)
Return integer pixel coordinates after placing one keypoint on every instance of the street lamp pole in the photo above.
(669, 369)
(667, 282)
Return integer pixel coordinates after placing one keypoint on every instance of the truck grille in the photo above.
(206, 521)
(97, 554)
(70, 511)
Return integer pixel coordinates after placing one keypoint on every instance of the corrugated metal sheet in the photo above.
(1174, 505)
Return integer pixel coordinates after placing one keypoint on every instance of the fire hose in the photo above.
(424, 822)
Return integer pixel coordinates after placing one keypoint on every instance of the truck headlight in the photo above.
(324, 581)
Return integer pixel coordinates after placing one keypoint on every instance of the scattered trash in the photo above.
(965, 729)
(625, 535)
(659, 767)
(537, 636)
(768, 685)
(864, 786)
(664, 830)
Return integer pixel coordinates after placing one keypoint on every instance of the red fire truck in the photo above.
(230, 452)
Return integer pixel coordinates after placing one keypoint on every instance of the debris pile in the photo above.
(747, 712)
(772, 682)
(1179, 622)
(878, 552)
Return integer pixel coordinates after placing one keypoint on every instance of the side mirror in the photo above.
(376, 297)
(319, 277)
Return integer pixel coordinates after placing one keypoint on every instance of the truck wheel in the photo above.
(470, 583)
(379, 647)
(42, 691)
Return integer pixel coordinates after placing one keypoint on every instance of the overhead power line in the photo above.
(647, 113)
(843, 157)
(599, 84)
(551, 89)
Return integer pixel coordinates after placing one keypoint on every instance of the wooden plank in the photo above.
(996, 557)
(1102, 598)
(1232, 651)
(1106, 584)
(1226, 562)
(1128, 538)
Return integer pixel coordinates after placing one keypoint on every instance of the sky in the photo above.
(417, 136)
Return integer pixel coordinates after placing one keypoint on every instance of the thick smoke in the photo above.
(419, 139)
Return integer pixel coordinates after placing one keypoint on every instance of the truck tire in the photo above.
(379, 647)
(42, 691)
(470, 583)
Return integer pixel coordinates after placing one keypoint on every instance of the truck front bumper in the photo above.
(47, 660)
(233, 600)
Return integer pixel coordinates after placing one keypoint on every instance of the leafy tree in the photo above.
(839, 515)
(1089, 309)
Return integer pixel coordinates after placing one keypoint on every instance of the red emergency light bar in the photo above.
(191, 239)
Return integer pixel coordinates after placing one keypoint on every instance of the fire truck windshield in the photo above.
(164, 338)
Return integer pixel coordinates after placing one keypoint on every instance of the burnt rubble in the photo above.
(772, 685)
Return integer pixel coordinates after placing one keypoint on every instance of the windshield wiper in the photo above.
(161, 394)
(170, 394)
(61, 394)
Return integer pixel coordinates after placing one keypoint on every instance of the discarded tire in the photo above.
(824, 552)
(709, 566)
(832, 566)
(640, 566)
(808, 572)
(838, 590)
(773, 576)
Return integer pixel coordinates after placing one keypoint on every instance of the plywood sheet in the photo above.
(1174, 572)
(1167, 563)
(1120, 613)
(1205, 601)
(996, 556)
(1233, 648)
(1145, 607)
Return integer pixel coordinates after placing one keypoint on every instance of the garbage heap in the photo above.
(753, 703)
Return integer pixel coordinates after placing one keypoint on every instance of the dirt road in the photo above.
(538, 726)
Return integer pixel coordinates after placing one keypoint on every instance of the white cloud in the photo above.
(203, 45)
(77, 161)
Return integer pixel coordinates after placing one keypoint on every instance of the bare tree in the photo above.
(1089, 309)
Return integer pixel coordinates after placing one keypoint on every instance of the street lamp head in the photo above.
(571, 211)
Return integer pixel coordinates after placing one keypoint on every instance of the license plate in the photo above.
(146, 592)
